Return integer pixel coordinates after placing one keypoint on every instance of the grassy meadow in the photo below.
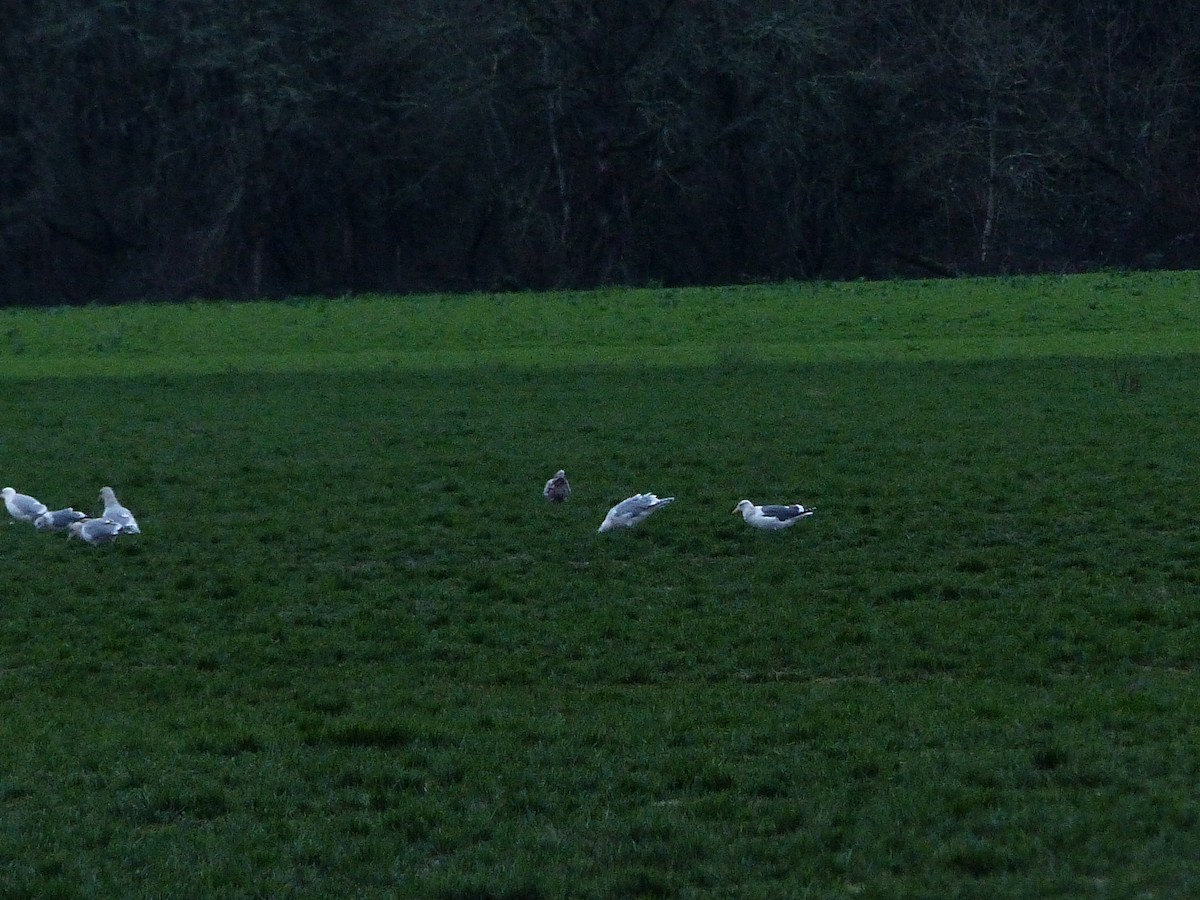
(354, 653)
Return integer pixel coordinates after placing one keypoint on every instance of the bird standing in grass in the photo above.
(115, 512)
(58, 519)
(22, 507)
(95, 531)
(772, 517)
(632, 510)
(557, 489)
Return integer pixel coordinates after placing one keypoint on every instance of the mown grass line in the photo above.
(1096, 315)
(1102, 345)
(354, 653)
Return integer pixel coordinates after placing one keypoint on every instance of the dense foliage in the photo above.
(304, 146)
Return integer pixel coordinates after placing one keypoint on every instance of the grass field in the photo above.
(353, 653)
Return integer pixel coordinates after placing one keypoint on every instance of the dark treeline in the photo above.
(223, 148)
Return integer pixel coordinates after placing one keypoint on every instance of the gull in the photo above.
(557, 489)
(115, 512)
(772, 518)
(22, 507)
(95, 531)
(630, 511)
(58, 519)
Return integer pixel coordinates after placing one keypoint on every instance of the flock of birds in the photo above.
(117, 520)
(103, 529)
(630, 511)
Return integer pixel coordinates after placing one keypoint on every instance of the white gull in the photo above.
(115, 512)
(22, 507)
(632, 510)
(772, 517)
(58, 519)
(95, 531)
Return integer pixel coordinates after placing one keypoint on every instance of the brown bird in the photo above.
(557, 489)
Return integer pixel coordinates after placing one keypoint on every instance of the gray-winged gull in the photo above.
(115, 512)
(58, 519)
(22, 507)
(557, 489)
(95, 531)
(772, 517)
(629, 512)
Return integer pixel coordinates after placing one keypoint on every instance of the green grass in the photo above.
(968, 319)
(354, 653)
